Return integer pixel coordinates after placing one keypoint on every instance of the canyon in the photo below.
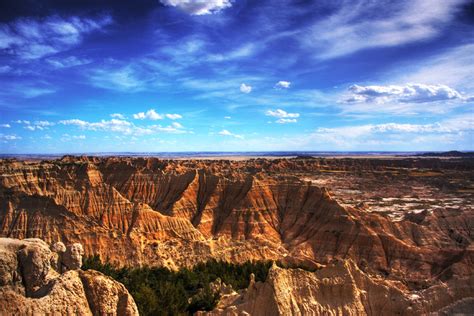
(351, 235)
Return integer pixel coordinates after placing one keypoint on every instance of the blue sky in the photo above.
(222, 75)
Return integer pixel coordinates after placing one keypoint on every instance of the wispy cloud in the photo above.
(67, 138)
(67, 62)
(6, 138)
(117, 116)
(123, 79)
(450, 130)
(199, 7)
(453, 67)
(5, 69)
(29, 38)
(348, 30)
(283, 116)
(37, 125)
(174, 116)
(225, 132)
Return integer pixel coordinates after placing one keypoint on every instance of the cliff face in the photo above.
(37, 280)
(178, 213)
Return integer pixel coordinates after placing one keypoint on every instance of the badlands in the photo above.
(351, 236)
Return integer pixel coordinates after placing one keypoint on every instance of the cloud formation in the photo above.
(409, 93)
(125, 127)
(198, 7)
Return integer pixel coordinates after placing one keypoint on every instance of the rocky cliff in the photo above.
(35, 279)
(136, 211)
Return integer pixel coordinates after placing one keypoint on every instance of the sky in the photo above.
(236, 75)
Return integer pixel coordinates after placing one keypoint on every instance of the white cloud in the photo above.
(198, 7)
(5, 125)
(225, 132)
(245, 88)
(173, 116)
(43, 123)
(124, 79)
(279, 113)
(227, 117)
(125, 127)
(176, 125)
(415, 93)
(33, 92)
(371, 135)
(285, 121)
(35, 38)
(9, 137)
(67, 62)
(37, 125)
(348, 30)
(67, 137)
(282, 84)
(117, 116)
(150, 114)
(243, 51)
(22, 122)
(113, 125)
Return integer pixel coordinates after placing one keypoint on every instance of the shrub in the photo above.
(160, 291)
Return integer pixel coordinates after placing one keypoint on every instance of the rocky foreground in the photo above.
(370, 254)
(37, 280)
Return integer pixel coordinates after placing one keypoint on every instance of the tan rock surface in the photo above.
(340, 288)
(29, 286)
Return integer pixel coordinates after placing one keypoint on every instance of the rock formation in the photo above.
(147, 211)
(340, 288)
(29, 283)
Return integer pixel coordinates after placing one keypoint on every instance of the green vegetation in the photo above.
(160, 291)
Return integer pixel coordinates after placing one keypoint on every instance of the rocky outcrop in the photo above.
(340, 288)
(29, 283)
